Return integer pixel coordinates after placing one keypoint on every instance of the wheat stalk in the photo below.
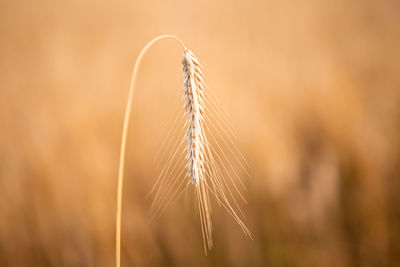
(124, 139)
(202, 161)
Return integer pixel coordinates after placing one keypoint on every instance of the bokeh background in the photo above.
(313, 91)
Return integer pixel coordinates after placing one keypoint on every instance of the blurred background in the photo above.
(313, 91)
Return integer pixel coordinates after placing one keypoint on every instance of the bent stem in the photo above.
(124, 138)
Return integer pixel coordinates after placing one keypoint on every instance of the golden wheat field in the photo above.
(312, 89)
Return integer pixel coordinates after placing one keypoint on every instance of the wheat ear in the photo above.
(194, 89)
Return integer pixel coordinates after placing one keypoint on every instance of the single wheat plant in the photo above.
(211, 160)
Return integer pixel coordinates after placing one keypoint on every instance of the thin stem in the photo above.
(124, 138)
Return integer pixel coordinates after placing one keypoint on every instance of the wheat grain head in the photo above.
(208, 170)
(194, 90)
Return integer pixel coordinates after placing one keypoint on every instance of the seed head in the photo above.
(194, 106)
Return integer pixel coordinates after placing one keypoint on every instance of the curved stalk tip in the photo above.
(124, 138)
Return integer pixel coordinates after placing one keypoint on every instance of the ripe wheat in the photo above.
(206, 167)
